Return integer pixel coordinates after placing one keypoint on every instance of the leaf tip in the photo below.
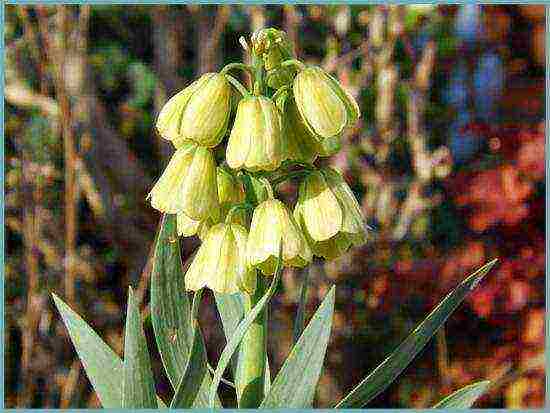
(477, 276)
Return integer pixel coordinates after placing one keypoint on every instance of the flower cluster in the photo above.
(291, 115)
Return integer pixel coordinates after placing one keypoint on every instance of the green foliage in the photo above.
(301, 311)
(102, 365)
(195, 370)
(386, 372)
(240, 331)
(465, 397)
(138, 387)
(294, 386)
(170, 309)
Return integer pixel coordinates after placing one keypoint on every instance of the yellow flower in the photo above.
(325, 107)
(320, 210)
(230, 192)
(302, 146)
(256, 142)
(220, 263)
(199, 112)
(188, 184)
(352, 230)
(273, 225)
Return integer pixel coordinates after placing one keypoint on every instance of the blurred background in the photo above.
(447, 162)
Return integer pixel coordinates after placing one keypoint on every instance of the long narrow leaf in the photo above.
(138, 386)
(294, 386)
(301, 312)
(231, 310)
(170, 310)
(465, 397)
(390, 368)
(102, 365)
(239, 333)
(191, 380)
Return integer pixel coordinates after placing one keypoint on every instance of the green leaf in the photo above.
(301, 312)
(294, 386)
(138, 386)
(170, 310)
(102, 365)
(191, 380)
(465, 397)
(239, 333)
(390, 368)
(231, 309)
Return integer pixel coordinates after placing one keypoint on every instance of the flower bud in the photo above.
(220, 263)
(325, 107)
(273, 225)
(256, 141)
(273, 47)
(231, 192)
(199, 113)
(301, 145)
(352, 229)
(188, 184)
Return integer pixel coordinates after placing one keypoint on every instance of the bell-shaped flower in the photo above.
(325, 106)
(188, 184)
(255, 142)
(220, 262)
(273, 228)
(301, 145)
(319, 208)
(199, 113)
(230, 192)
(352, 230)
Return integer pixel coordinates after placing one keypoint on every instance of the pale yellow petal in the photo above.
(168, 193)
(320, 209)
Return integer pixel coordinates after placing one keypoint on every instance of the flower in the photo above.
(199, 113)
(302, 146)
(230, 192)
(256, 141)
(220, 263)
(325, 107)
(320, 211)
(319, 226)
(188, 184)
(273, 225)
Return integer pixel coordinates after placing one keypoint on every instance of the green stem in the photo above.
(252, 354)
(258, 65)
(238, 85)
(279, 92)
(241, 66)
(294, 62)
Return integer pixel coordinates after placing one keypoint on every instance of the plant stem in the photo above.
(252, 354)
(238, 85)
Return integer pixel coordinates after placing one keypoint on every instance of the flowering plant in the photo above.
(290, 115)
